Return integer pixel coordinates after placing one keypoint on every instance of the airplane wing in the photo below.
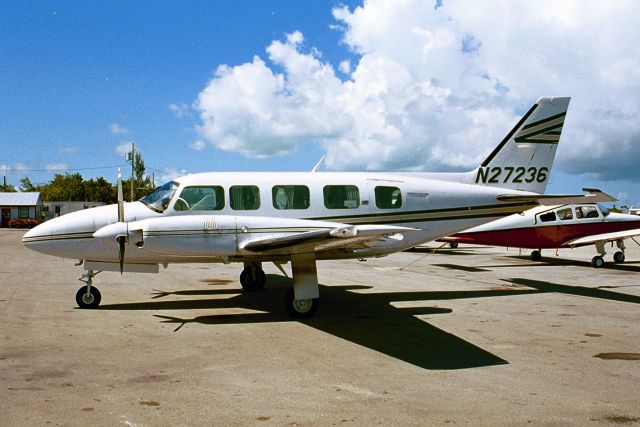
(604, 237)
(334, 238)
(593, 196)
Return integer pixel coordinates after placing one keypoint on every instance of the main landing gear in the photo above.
(252, 277)
(598, 260)
(88, 296)
(301, 301)
(536, 255)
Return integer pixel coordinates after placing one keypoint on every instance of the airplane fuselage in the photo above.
(548, 227)
(207, 217)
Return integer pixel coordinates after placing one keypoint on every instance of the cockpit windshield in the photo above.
(159, 199)
(604, 210)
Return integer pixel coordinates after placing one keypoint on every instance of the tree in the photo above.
(99, 190)
(142, 184)
(67, 187)
(26, 185)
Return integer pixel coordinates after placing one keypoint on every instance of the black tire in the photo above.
(88, 301)
(536, 255)
(597, 261)
(453, 245)
(618, 257)
(249, 283)
(300, 309)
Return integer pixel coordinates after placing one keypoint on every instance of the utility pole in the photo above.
(133, 161)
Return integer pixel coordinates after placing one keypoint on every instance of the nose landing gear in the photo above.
(88, 296)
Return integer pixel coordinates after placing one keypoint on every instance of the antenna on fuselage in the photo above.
(317, 166)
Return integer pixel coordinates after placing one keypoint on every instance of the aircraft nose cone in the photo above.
(64, 236)
(37, 233)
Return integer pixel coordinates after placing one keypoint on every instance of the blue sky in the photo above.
(274, 85)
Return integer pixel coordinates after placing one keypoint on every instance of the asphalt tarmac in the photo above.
(475, 336)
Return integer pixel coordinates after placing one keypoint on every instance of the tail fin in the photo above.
(523, 160)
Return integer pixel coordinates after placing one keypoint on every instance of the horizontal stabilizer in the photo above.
(593, 196)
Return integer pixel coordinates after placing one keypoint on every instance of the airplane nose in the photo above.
(64, 236)
(37, 233)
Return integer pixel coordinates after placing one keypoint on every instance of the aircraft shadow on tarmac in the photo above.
(556, 261)
(366, 319)
(599, 292)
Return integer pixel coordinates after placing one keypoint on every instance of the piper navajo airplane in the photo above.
(304, 217)
(553, 227)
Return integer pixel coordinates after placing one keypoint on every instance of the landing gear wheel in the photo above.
(90, 300)
(251, 281)
(597, 261)
(536, 255)
(300, 309)
(453, 245)
(618, 257)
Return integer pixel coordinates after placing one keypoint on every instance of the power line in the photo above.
(65, 169)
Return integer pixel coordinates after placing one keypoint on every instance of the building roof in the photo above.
(20, 199)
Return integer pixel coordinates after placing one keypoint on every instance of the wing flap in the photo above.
(337, 237)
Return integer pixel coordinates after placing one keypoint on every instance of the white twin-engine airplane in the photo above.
(304, 217)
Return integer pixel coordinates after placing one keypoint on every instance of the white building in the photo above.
(20, 205)
(54, 209)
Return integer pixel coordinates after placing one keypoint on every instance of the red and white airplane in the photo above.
(552, 227)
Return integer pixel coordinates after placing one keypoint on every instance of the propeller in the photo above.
(121, 231)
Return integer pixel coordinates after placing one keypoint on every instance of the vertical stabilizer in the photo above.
(523, 160)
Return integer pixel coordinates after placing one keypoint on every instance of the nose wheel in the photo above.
(90, 299)
(88, 296)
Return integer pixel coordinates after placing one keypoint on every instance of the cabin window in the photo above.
(244, 197)
(290, 197)
(23, 212)
(565, 214)
(548, 217)
(388, 197)
(341, 197)
(586, 212)
(200, 198)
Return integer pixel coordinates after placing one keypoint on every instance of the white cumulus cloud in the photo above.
(179, 110)
(56, 167)
(171, 173)
(436, 88)
(123, 148)
(117, 129)
(197, 145)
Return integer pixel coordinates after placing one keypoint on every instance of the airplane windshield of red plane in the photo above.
(159, 199)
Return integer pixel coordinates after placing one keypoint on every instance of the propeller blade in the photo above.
(120, 199)
(121, 241)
